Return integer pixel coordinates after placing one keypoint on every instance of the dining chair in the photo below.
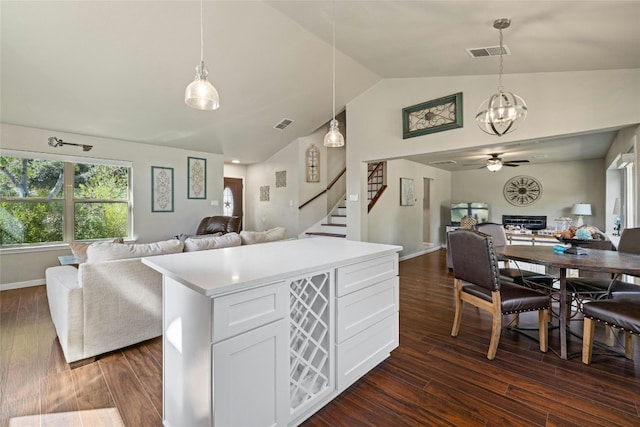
(618, 312)
(516, 275)
(593, 288)
(478, 282)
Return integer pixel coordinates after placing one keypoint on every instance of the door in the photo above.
(232, 197)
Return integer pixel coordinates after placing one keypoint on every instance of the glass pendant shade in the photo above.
(501, 113)
(200, 93)
(333, 138)
(494, 165)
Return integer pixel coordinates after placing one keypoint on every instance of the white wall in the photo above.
(282, 207)
(391, 223)
(559, 104)
(626, 140)
(29, 266)
(563, 184)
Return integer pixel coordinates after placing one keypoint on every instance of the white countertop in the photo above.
(219, 271)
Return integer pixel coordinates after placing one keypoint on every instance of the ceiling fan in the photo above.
(495, 162)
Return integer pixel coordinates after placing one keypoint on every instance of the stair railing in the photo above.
(375, 184)
(331, 184)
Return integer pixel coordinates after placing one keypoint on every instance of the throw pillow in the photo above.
(106, 251)
(252, 237)
(204, 242)
(79, 249)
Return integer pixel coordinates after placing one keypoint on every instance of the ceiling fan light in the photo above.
(333, 138)
(200, 93)
(494, 165)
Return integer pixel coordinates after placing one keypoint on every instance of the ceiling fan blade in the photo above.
(510, 165)
(517, 161)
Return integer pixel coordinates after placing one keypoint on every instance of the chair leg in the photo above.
(543, 327)
(457, 318)
(496, 329)
(628, 345)
(587, 339)
(609, 337)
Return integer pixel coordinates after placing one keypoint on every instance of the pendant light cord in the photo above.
(334, 60)
(201, 35)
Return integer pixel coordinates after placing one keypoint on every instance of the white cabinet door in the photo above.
(251, 373)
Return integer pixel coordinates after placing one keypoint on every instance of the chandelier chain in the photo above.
(500, 87)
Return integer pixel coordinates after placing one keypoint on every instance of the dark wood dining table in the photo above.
(593, 260)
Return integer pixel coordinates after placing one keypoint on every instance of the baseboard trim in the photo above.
(19, 285)
(415, 254)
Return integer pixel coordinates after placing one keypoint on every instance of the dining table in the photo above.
(596, 260)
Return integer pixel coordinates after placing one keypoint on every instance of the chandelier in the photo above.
(503, 111)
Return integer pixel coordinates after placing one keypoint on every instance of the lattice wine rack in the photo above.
(310, 341)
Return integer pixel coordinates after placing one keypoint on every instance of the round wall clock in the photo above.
(522, 190)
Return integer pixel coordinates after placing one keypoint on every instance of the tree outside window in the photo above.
(35, 208)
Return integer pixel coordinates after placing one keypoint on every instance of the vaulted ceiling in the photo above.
(118, 69)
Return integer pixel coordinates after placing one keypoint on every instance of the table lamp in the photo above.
(581, 209)
(616, 212)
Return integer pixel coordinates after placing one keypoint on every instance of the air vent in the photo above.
(283, 124)
(480, 52)
(443, 162)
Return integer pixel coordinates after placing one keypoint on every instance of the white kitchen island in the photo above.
(267, 334)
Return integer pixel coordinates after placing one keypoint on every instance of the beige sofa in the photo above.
(112, 300)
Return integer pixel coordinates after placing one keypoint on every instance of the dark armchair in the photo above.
(622, 313)
(220, 224)
(477, 282)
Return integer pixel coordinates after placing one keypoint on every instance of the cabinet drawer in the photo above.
(357, 276)
(359, 354)
(237, 313)
(359, 310)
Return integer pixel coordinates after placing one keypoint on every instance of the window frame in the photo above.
(68, 199)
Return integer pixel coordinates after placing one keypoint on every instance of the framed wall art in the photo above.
(432, 116)
(196, 178)
(407, 193)
(161, 189)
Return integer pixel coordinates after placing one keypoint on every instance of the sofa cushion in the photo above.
(106, 251)
(79, 249)
(203, 242)
(251, 237)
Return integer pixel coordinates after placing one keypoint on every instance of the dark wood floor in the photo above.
(432, 379)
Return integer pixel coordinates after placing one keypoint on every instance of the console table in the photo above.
(267, 334)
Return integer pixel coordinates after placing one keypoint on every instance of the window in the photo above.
(227, 202)
(48, 200)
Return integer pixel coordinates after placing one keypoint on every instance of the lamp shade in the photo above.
(616, 207)
(333, 138)
(200, 93)
(581, 209)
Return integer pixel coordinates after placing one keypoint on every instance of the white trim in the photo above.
(415, 254)
(20, 285)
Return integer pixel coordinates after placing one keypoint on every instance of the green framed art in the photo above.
(432, 116)
(161, 189)
(197, 178)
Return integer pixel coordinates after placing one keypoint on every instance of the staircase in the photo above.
(334, 225)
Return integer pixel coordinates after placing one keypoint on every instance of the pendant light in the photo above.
(200, 93)
(503, 111)
(334, 138)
